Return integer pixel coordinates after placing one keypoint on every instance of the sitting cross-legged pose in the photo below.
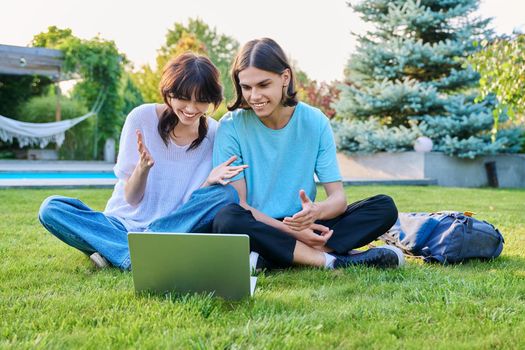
(164, 170)
(286, 142)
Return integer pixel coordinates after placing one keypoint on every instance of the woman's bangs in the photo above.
(195, 86)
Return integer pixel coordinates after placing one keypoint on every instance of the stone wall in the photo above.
(448, 171)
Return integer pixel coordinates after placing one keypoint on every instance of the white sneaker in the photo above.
(254, 256)
(99, 261)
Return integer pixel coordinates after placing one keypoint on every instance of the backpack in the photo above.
(445, 237)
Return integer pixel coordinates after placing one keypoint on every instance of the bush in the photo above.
(41, 109)
(7, 154)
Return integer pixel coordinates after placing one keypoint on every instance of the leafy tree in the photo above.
(148, 80)
(53, 38)
(15, 89)
(411, 67)
(219, 47)
(501, 64)
(198, 37)
(130, 93)
(321, 95)
(100, 65)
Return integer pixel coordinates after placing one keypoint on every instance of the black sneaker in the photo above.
(384, 256)
(262, 264)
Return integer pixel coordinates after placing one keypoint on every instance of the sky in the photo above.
(314, 33)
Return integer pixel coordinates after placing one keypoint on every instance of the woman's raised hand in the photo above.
(224, 172)
(146, 160)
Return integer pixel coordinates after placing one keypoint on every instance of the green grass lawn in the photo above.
(52, 297)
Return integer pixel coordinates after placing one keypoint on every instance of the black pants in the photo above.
(362, 222)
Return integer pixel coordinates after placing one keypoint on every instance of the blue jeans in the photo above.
(91, 231)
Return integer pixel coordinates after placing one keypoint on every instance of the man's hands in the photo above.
(303, 224)
(224, 172)
(311, 238)
(306, 217)
(146, 160)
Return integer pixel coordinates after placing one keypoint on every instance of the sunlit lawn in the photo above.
(52, 297)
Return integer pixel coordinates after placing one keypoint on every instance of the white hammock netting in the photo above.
(41, 134)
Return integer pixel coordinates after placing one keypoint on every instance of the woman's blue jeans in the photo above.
(91, 231)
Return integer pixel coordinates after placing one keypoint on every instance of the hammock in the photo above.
(41, 134)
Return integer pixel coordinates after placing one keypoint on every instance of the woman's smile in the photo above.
(189, 115)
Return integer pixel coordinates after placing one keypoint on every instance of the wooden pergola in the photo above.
(18, 60)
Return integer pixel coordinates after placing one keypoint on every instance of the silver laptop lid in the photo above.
(188, 263)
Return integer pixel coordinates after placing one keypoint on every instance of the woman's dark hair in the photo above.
(185, 77)
(264, 54)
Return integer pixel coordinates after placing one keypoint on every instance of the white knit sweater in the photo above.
(172, 179)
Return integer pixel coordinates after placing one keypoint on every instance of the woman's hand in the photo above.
(223, 172)
(311, 238)
(135, 186)
(146, 160)
(306, 217)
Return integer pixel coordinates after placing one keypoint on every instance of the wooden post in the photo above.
(58, 93)
(95, 138)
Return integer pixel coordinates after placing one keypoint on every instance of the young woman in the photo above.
(285, 142)
(163, 169)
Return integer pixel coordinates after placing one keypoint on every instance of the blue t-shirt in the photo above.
(281, 162)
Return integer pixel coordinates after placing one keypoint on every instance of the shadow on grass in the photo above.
(204, 303)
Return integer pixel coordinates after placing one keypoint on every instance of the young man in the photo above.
(284, 142)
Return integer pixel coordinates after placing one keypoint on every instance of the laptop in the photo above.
(192, 263)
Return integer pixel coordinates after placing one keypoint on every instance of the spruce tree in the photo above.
(409, 74)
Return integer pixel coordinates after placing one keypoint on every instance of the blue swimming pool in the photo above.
(56, 175)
